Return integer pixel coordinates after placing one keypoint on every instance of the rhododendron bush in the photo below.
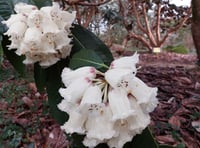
(98, 100)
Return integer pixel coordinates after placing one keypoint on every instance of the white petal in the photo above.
(152, 103)
(119, 104)
(74, 92)
(31, 60)
(15, 45)
(91, 142)
(48, 44)
(100, 127)
(32, 40)
(48, 9)
(126, 62)
(48, 26)
(123, 135)
(69, 76)
(66, 106)
(23, 49)
(67, 20)
(91, 101)
(48, 60)
(114, 76)
(75, 124)
(35, 19)
(65, 51)
(144, 95)
(15, 18)
(24, 8)
(92, 95)
(16, 31)
(140, 120)
(61, 18)
(33, 34)
(62, 39)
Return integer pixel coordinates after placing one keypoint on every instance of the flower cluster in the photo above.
(40, 34)
(110, 107)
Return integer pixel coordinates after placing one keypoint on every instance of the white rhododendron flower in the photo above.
(114, 76)
(110, 107)
(75, 123)
(71, 94)
(15, 18)
(69, 75)
(99, 126)
(119, 104)
(40, 34)
(92, 97)
(126, 62)
(23, 8)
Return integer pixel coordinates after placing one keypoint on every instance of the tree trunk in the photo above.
(196, 26)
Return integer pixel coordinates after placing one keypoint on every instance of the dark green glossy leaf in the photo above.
(77, 140)
(53, 84)
(85, 39)
(86, 57)
(14, 59)
(40, 76)
(3, 28)
(42, 3)
(6, 9)
(144, 140)
(1, 54)
(14, 2)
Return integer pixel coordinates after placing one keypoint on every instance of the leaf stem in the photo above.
(78, 41)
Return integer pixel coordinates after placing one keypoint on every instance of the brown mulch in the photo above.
(178, 81)
(174, 121)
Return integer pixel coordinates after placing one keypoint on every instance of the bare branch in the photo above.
(137, 18)
(158, 23)
(179, 25)
(89, 16)
(140, 38)
(83, 3)
(149, 33)
(78, 16)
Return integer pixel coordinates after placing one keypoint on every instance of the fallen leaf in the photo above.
(33, 87)
(175, 122)
(165, 139)
(27, 101)
(196, 125)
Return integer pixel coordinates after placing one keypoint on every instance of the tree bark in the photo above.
(196, 26)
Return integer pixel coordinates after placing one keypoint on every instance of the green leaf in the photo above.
(53, 84)
(1, 54)
(3, 28)
(86, 57)
(42, 3)
(85, 39)
(144, 140)
(6, 9)
(14, 59)
(14, 2)
(40, 76)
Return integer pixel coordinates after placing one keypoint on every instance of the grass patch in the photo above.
(177, 49)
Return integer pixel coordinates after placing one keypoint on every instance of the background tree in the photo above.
(196, 26)
(151, 22)
(147, 22)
